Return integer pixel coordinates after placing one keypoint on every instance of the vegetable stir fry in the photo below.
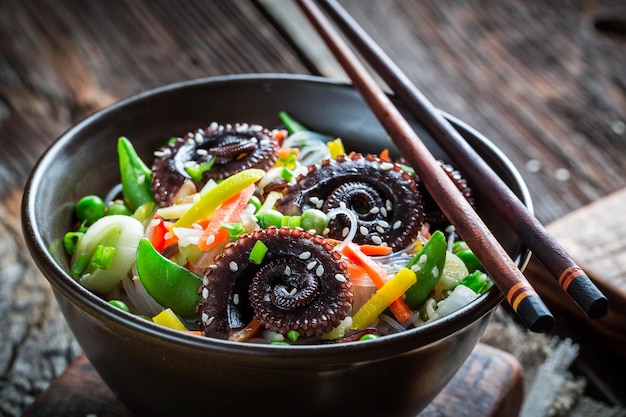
(275, 236)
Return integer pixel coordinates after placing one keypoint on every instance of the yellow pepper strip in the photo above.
(336, 148)
(381, 299)
(169, 319)
(212, 199)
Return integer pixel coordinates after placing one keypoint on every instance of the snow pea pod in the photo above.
(136, 176)
(170, 284)
(428, 266)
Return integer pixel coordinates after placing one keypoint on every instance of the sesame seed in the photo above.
(205, 281)
(205, 293)
(305, 255)
(213, 126)
(423, 259)
(233, 266)
(202, 152)
(287, 270)
(319, 271)
(380, 229)
(205, 318)
(383, 223)
(377, 240)
(388, 205)
(191, 142)
(326, 231)
(345, 231)
(364, 230)
(319, 204)
(314, 200)
(397, 224)
(209, 240)
(198, 137)
(386, 166)
(416, 268)
(383, 211)
(340, 278)
(210, 320)
(141, 179)
(311, 265)
(374, 210)
(435, 272)
(264, 142)
(342, 204)
(236, 299)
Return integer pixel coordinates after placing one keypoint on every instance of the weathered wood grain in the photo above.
(537, 78)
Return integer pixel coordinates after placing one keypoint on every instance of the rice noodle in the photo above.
(353, 225)
(113, 193)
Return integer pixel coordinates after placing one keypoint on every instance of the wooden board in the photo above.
(595, 236)
(490, 374)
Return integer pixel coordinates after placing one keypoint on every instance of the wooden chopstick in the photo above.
(505, 274)
(552, 255)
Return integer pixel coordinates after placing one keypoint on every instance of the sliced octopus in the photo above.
(219, 151)
(301, 284)
(384, 198)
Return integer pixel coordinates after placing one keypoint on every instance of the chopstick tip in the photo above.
(533, 312)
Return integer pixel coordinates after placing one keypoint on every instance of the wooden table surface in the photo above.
(544, 80)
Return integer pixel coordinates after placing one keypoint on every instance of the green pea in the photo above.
(369, 336)
(120, 304)
(313, 219)
(89, 209)
(117, 208)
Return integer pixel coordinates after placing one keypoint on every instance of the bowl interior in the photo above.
(84, 160)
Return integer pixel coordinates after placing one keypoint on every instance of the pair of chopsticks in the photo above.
(508, 278)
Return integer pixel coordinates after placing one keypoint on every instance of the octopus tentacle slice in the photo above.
(301, 284)
(385, 198)
(227, 148)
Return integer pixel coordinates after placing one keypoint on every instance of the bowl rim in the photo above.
(70, 289)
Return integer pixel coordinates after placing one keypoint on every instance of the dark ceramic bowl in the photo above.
(157, 371)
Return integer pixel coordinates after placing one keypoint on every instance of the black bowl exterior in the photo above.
(156, 371)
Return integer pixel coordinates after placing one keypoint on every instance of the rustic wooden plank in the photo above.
(536, 78)
(62, 60)
(490, 375)
(595, 235)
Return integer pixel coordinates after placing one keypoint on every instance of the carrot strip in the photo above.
(377, 274)
(369, 250)
(246, 333)
(355, 270)
(228, 212)
(385, 154)
(285, 153)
